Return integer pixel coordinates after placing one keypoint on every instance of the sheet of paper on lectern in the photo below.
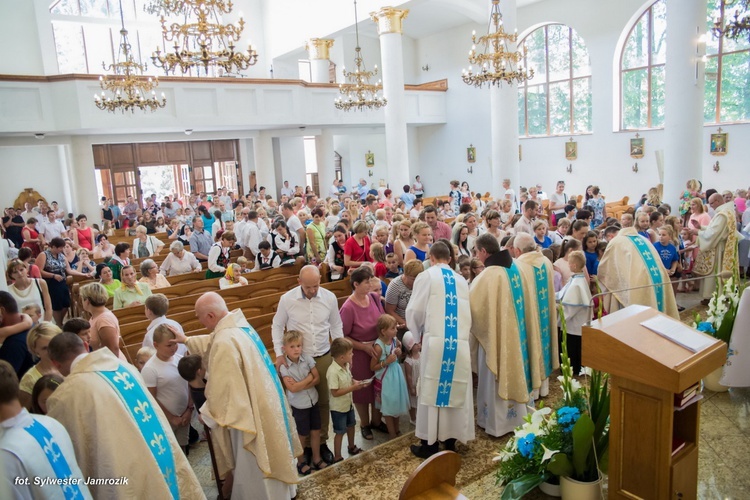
(678, 333)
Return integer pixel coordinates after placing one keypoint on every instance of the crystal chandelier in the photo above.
(358, 92)
(495, 64)
(204, 41)
(736, 28)
(127, 83)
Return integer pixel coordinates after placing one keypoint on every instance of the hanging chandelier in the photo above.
(357, 91)
(201, 40)
(127, 83)
(737, 28)
(496, 62)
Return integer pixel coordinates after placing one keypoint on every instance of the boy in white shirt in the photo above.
(166, 385)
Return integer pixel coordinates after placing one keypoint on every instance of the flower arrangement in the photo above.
(722, 310)
(571, 440)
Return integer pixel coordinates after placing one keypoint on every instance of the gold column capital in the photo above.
(318, 48)
(389, 20)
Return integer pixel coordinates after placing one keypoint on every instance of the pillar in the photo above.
(326, 168)
(389, 21)
(265, 174)
(683, 102)
(504, 120)
(80, 160)
(318, 50)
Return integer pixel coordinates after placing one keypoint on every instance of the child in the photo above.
(190, 368)
(464, 267)
(37, 341)
(80, 327)
(411, 372)
(266, 259)
(142, 356)
(43, 389)
(540, 234)
(377, 254)
(688, 255)
(244, 264)
(341, 385)
(300, 378)
(391, 263)
(85, 264)
(391, 394)
(575, 298)
(381, 234)
(167, 386)
(590, 243)
(476, 267)
(668, 253)
(34, 312)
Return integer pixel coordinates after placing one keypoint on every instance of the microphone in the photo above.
(725, 275)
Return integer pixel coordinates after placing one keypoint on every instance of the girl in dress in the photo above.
(402, 240)
(590, 244)
(391, 393)
(377, 254)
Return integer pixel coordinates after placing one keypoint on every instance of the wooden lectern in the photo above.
(646, 371)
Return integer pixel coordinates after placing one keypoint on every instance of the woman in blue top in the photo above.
(590, 242)
(423, 237)
(208, 219)
(598, 207)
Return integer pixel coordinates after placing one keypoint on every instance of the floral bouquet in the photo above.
(722, 310)
(571, 440)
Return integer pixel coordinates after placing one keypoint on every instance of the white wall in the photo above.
(353, 147)
(18, 33)
(292, 158)
(37, 167)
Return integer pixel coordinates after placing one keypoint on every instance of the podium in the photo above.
(646, 371)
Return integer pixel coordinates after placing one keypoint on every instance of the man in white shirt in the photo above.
(525, 223)
(294, 224)
(333, 191)
(59, 212)
(29, 212)
(287, 191)
(224, 198)
(52, 228)
(253, 235)
(240, 227)
(314, 311)
(541, 194)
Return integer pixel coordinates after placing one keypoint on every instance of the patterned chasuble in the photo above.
(450, 345)
(143, 414)
(56, 459)
(652, 266)
(263, 352)
(514, 278)
(543, 293)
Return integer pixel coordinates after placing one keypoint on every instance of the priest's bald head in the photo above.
(63, 349)
(523, 243)
(210, 308)
(715, 201)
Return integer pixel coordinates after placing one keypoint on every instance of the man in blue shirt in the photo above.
(408, 198)
(200, 240)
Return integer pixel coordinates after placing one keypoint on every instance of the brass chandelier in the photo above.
(359, 93)
(495, 64)
(737, 28)
(201, 40)
(127, 83)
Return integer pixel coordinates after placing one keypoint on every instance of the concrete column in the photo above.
(326, 169)
(504, 120)
(683, 102)
(81, 167)
(264, 166)
(318, 50)
(389, 22)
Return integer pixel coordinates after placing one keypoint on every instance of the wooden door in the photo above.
(126, 183)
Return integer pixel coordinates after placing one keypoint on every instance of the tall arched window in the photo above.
(642, 70)
(727, 71)
(557, 101)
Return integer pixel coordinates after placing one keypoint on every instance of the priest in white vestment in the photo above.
(499, 327)
(123, 442)
(439, 317)
(251, 422)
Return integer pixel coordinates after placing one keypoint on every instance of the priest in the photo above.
(499, 326)
(632, 270)
(541, 319)
(123, 442)
(252, 427)
(439, 317)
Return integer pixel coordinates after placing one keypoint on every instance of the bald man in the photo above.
(314, 311)
(246, 409)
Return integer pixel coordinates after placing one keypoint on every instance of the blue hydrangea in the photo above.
(706, 327)
(526, 445)
(567, 416)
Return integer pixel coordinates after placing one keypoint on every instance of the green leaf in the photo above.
(583, 431)
(604, 462)
(517, 488)
(559, 465)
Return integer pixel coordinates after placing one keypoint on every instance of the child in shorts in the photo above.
(341, 385)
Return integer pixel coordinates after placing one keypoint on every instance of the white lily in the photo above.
(548, 453)
(503, 456)
(575, 385)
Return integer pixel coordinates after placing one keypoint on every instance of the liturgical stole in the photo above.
(543, 294)
(652, 268)
(514, 278)
(70, 488)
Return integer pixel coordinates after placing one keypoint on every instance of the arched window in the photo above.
(557, 101)
(642, 70)
(727, 71)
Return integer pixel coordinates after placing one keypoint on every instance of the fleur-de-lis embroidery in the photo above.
(451, 321)
(448, 364)
(647, 256)
(450, 343)
(142, 408)
(516, 281)
(545, 312)
(451, 299)
(49, 449)
(444, 387)
(156, 443)
(519, 301)
(168, 476)
(543, 293)
(449, 279)
(654, 269)
(123, 378)
(540, 273)
(71, 491)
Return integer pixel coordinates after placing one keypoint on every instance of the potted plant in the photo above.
(570, 442)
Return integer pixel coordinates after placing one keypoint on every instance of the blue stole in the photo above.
(143, 414)
(271, 368)
(543, 292)
(514, 278)
(450, 344)
(652, 267)
(56, 459)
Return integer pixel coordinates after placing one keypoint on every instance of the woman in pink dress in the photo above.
(359, 315)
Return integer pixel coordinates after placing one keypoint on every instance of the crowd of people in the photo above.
(462, 283)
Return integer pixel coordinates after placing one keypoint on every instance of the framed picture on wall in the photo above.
(636, 147)
(571, 150)
(719, 144)
(471, 154)
(369, 159)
